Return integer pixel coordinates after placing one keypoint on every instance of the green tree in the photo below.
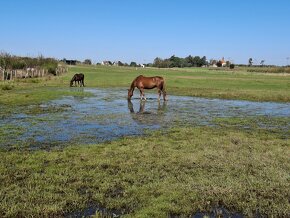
(250, 62)
(157, 62)
(262, 62)
(87, 61)
(120, 63)
(204, 61)
(197, 62)
(133, 64)
(6, 61)
(176, 61)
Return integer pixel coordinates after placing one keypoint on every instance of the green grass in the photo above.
(29, 92)
(189, 81)
(181, 172)
(197, 82)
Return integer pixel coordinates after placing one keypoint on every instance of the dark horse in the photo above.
(79, 77)
(142, 82)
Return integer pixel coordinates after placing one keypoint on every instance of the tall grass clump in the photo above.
(6, 87)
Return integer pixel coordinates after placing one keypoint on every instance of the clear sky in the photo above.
(135, 30)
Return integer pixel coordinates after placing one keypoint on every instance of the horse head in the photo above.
(71, 83)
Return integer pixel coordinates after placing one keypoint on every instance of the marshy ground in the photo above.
(78, 152)
(106, 115)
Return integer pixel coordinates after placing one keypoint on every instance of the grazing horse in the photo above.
(79, 77)
(142, 82)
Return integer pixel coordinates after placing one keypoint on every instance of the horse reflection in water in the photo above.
(148, 117)
(78, 91)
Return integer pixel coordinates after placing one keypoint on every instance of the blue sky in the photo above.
(132, 30)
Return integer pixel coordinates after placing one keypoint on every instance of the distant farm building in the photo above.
(223, 62)
(70, 62)
(106, 63)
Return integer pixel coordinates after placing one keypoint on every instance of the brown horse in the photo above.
(142, 82)
(78, 77)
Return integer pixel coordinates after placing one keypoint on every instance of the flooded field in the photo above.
(107, 115)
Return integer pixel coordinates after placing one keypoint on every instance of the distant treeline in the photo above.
(174, 61)
(12, 62)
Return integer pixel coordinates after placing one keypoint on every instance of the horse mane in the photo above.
(73, 78)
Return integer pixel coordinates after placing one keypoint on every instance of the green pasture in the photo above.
(178, 172)
(202, 82)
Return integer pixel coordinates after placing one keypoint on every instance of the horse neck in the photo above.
(133, 85)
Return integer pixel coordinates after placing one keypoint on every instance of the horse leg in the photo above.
(159, 94)
(142, 106)
(164, 95)
(142, 95)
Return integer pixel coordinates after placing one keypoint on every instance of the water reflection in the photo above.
(161, 107)
(106, 115)
(151, 116)
(77, 89)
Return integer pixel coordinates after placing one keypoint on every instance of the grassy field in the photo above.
(199, 82)
(191, 82)
(178, 171)
(181, 172)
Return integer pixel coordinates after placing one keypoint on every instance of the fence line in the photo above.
(30, 73)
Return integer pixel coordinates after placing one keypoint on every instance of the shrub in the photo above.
(7, 87)
(52, 71)
(232, 66)
(35, 81)
(51, 67)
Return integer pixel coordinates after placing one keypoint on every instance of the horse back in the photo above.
(149, 82)
(78, 77)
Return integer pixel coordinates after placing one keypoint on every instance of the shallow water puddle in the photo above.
(107, 115)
